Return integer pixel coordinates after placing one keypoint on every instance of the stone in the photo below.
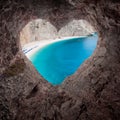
(25, 95)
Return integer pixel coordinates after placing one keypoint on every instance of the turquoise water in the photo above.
(58, 60)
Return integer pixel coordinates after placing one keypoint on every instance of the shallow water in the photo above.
(58, 60)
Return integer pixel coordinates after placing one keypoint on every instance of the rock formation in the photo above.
(38, 30)
(92, 93)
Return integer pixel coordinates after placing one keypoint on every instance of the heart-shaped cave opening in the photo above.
(57, 54)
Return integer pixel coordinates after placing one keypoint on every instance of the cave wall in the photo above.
(92, 93)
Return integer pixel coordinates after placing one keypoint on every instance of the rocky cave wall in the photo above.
(92, 93)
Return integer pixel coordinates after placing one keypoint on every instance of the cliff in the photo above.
(92, 93)
(38, 30)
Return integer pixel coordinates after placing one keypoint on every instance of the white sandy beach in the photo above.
(36, 45)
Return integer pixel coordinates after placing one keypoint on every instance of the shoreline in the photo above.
(30, 48)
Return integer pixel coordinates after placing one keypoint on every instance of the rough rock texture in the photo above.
(37, 30)
(92, 93)
(40, 29)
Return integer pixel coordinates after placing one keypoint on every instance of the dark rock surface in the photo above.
(92, 93)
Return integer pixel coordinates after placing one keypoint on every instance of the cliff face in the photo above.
(37, 30)
(92, 93)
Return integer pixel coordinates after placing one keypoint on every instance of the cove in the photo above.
(60, 59)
